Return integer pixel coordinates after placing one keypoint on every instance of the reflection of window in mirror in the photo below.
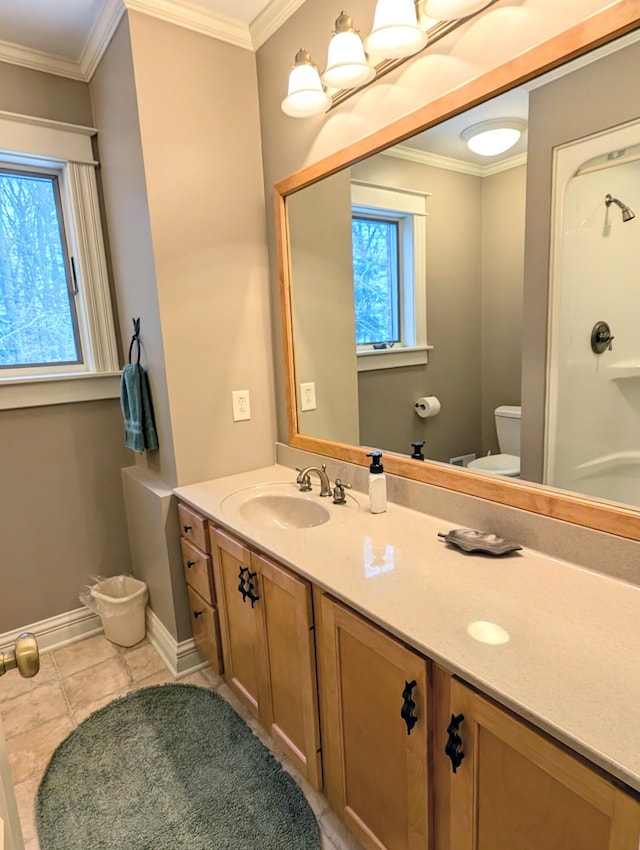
(389, 276)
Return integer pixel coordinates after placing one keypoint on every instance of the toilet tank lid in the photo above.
(510, 411)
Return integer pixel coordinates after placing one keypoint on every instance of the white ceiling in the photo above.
(55, 36)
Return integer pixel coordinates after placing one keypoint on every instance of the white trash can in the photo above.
(121, 602)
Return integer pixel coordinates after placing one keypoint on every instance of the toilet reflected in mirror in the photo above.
(507, 461)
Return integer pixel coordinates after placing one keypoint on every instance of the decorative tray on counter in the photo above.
(470, 540)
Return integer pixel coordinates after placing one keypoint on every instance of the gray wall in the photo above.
(561, 112)
(177, 116)
(323, 310)
(62, 516)
(503, 226)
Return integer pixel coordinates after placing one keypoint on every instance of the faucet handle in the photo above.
(339, 497)
(304, 481)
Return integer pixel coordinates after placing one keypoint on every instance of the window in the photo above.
(389, 276)
(57, 340)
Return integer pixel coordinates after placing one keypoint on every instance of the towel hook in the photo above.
(135, 339)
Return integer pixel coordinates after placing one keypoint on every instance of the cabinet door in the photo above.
(516, 789)
(375, 772)
(285, 617)
(238, 626)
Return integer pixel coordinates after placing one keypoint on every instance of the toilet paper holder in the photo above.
(427, 406)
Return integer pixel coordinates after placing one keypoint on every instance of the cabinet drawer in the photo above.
(193, 526)
(197, 570)
(206, 633)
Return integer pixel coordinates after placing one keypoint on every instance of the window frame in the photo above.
(409, 208)
(65, 150)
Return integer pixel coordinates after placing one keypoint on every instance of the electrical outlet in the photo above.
(308, 396)
(241, 405)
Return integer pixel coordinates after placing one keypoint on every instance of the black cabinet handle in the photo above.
(190, 564)
(244, 582)
(408, 705)
(197, 614)
(187, 528)
(452, 748)
(251, 591)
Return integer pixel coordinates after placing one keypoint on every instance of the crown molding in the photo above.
(183, 15)
(271, 19)
(449, 164)
(37, 60)
(100, 36)
(195, 19)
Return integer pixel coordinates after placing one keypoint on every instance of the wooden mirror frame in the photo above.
(597, 30)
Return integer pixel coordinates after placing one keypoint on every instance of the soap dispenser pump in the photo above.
(377, 484)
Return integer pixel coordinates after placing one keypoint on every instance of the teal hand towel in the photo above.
(137, 409)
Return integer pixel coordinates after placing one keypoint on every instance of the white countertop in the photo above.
(571, 664)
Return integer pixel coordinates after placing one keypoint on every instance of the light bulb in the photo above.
(396, 33)
(305, 96)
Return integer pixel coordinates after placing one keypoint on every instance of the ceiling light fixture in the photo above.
(489, 138)
(451, 10)
(306, 96)
(347, 65)
(396, 33)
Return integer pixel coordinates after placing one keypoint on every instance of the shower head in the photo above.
(627, 212)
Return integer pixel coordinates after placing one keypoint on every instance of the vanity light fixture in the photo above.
(396, 32)
(489, 138)
(306, 96)
(347, 65)
(450, 10)
(401, 28)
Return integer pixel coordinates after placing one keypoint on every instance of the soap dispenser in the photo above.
(377, 484)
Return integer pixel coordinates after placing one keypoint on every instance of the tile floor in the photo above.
(78, 679)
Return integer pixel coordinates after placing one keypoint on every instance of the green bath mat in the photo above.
(167, 768)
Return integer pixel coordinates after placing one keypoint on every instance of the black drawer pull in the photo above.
(197, 614)
(191, 564)
(408, 705)
(187, 528)
(452, 748)
(251, 591)
(244, 579)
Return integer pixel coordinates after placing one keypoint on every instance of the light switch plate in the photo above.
(308, 396)
(241, 405)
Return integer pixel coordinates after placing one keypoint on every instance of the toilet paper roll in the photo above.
(427, 406)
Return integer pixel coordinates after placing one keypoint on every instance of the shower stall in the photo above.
(593, 381)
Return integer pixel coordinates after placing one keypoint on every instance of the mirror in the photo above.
(487, 248)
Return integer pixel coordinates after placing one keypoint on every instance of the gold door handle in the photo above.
(25, 656)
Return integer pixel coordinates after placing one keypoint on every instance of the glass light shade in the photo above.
(451, 10)
(305, 96)
(490, 138)
(347, 65)
(396, 32)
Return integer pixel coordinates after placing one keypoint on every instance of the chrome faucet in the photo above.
(325, 484)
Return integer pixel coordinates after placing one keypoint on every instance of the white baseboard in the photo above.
(181, 659)
(58, 631)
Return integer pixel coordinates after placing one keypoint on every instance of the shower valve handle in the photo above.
(601, 338)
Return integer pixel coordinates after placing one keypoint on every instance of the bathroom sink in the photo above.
(282, 505)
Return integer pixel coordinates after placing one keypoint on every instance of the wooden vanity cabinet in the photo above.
(515, 788)
(375, 762)
(266, 615)
(198, 573)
